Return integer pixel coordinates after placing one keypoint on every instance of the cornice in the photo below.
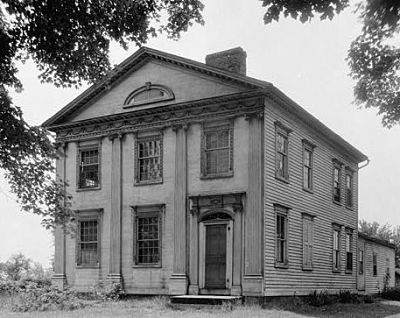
(159, 118)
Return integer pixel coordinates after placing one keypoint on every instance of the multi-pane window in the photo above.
(281, 236)
(308, 233)
(336, 182)
(349, 251)
(148, 239)
(360, 261)
(217, 151)
(374, 264)
(307, 165)
(89, 164)
(349, 189)
(149, 160)
(336, 249)
(149, 93)
(88, 242)
(282, 161)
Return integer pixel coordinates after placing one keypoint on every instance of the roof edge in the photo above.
(376, 240)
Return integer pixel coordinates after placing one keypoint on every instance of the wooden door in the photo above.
(215, 256)
(360, 266)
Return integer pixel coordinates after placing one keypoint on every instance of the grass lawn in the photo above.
(160, 307)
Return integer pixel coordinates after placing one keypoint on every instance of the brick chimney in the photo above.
(233, 60)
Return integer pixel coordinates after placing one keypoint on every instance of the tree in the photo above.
(384, 232)
(373, 58)
(16, 266)
(69, 42)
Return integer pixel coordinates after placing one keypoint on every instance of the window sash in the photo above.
(308, 233)
(148, 248)
(360, 262)
(281, 238)
(336, 250)
(282, 144)
(149, 159)
(89, 168)
(217, 150)
(375, 264)
(88, 242)
(349, 190)
(336, 184)
(349, 252)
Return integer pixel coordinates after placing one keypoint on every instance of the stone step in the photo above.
(204, 299)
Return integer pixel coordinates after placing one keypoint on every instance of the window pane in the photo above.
(212, 161)
(223, 160)
(148, 249)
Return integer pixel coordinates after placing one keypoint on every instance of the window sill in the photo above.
(282, 179)
(337, 202)
(144, 183)
(348, 271)
(349, 208)
(88, 189)
(308, 190)
(87, 266)
(336, 271)
(218, 175)
(147, 266)
(307, 269)
(282, 265)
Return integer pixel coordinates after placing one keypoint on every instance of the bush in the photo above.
(346, 297)
(391, 293)
(319, 299)
(42, 298)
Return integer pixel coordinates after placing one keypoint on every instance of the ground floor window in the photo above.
(336, 249)
(375, 264)
(349, 251)
(88, 238)
(281, 258)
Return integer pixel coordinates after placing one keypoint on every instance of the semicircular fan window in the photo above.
(149, 93)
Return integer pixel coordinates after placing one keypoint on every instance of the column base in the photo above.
(113, 279)
(193, 289)
(252, 285)
(59, 281)
(178, 284)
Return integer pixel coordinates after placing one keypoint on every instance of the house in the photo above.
(193, 178)
(376, 264)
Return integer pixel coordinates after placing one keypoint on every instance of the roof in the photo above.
(376, 240)
(142, 55)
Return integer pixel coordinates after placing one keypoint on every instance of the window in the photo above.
(349, 251)
(148, 160)
(360, 262)
(88, 239)
(375, 264)
(149, 93)
(282, 152)
(281, 236)
(308, 233)
(89, 167)
(217, 152)
(307, 165)
(147, 235)
(336, 182)
(336, 249)
(349, 188)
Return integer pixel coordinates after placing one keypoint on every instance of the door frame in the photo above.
(202, 251)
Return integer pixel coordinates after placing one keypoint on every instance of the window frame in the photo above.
(336, 252)
(143, 139)
(349, 251)
(86, 147)
(281, 130)
(82, 216)
(337, 165)
(374, 264)
(216, 127)
(349, 173)
(281, 212)
(149, 211)
(308, 221)
(308, 147)
(361, 257)
(168, 95)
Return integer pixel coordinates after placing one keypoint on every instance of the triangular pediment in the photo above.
(171, 79)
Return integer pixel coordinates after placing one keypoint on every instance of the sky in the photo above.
(305, 61)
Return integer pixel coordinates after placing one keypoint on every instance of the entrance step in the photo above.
(204, 299)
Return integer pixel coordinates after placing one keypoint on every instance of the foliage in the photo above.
(347, 297)
(374, 57)
(321, 298)
(113, 292)
(386, 281)
(69, 42)
(385, 232)
(391, 293)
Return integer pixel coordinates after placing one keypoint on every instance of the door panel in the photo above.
(215, 262)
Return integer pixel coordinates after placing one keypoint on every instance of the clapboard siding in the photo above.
(375, 284)
(295, 280)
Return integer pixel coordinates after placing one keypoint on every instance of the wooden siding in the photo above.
(293, 280)
(375, 284)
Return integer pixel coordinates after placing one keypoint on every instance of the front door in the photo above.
(361, 267)
(215, 256)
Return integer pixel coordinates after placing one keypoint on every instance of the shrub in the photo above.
(346, 297)
(319, 299)
(368, 299)
(391, 293)
(42, 298)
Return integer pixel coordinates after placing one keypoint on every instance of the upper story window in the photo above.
(88, 166)
(349, 188)
(217, 150)
(308, 150)
(282, 151)
(149, 93)
(149, 165)
(337, 180)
